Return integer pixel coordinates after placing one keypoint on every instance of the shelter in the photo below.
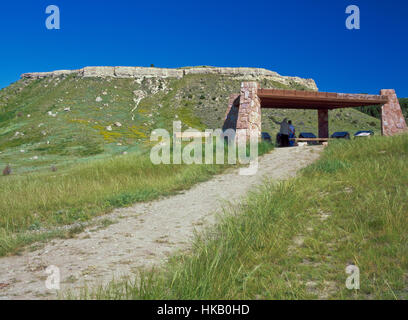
(244, 109)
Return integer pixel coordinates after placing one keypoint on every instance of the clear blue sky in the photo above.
(305, 38)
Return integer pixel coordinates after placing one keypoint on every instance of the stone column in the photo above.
(249, 113)
(392, 119)
(231, 116)
(323, 120)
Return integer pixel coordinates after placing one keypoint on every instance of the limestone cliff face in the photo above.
(248, 74)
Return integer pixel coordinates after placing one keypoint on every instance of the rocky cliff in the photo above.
(254, 74)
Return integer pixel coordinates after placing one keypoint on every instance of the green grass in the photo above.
(79, 135)
(293, 240)
(37, 202)
(88, 156)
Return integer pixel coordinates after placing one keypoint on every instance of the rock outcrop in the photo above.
(248, 74)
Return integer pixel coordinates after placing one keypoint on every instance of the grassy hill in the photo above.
(294, 240)
(95, 132)
(84, 126)
(36, 132)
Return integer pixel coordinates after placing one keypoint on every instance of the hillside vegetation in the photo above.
(375, 111)
(294, 240)
(34, 205)
(110, 116)
(78, 146)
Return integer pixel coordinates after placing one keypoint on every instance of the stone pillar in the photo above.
(249, 113)
(392, 119)
(231, 116)
(323, 120)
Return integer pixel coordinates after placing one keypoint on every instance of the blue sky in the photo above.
(305, 38)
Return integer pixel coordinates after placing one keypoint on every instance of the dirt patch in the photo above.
(144, 234)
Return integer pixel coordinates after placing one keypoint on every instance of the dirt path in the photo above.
(142, 235)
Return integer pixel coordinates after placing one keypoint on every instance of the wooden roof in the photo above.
(299, 99)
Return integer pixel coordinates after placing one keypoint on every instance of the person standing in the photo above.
(284, 131)
(292, 133)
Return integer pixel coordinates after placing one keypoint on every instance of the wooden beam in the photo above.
(298, 99)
